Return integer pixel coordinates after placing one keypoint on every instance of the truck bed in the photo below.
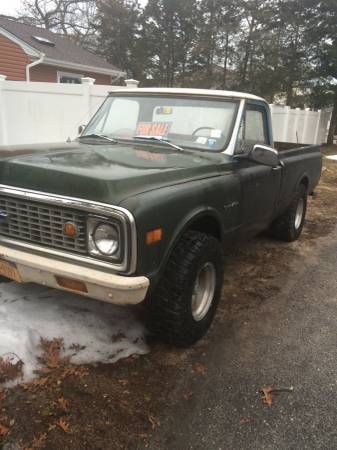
(282, 146)
(299, 161)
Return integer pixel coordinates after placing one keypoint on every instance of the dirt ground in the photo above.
(121, 406)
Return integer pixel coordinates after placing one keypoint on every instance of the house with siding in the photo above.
(29, 53)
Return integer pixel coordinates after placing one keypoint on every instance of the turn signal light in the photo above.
(70, 229)
(154, 236)
(72, 285)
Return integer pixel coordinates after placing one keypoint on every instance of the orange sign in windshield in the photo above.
(159, 129)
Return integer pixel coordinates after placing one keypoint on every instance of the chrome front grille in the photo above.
(41, 224)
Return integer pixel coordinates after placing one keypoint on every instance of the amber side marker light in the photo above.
(72, 285)
(154, 236)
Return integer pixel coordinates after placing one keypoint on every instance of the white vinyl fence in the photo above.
(301, 126)
(32, 113)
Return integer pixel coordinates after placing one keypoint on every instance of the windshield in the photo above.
(186, 122)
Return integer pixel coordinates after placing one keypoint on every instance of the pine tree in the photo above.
(322, 36)
(168, 34)
(117, 23)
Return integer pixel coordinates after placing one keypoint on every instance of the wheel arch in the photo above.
(304, 180)
(206, 220)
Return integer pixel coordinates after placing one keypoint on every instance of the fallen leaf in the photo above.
(188, 395)
(267, 397)
(3, 430)
(154, 422)
(63, 404)
(51, 352)
(11, 367)
(123, 382)
(200, 368)
(55, 377)
(268, 392)
(245, 420)
(39, 441)
(64, 425)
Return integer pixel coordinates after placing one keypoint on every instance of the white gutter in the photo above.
(82, 67)
(33, 64)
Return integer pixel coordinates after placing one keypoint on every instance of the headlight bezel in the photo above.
(121, 255)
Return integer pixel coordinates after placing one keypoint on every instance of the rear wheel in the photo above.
(288, 227)
(182, 308)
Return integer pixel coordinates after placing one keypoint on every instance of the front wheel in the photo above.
(288, 227)
(182, 308)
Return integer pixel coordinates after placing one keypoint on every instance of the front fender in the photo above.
(174, 209)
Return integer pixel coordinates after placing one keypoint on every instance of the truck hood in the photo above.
(106, 173)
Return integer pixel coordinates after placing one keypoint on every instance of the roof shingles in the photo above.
(65, 49)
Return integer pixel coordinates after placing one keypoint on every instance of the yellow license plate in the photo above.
(10, 271)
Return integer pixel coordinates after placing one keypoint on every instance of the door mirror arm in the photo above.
(81, 129)
(239, 156)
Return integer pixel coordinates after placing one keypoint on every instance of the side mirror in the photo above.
(262, 154)
(81, 129)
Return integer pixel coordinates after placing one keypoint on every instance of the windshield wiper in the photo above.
(98, 136)
(159, 139)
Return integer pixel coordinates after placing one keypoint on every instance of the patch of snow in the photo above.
(333, 157)
(104, 333)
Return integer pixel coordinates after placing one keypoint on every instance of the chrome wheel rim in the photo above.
(203, 292)
(299, 213)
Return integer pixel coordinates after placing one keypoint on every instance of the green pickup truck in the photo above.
(141, 207)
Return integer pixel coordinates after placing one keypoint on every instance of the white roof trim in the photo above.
(30, 51)
(82, 67)
(186, 91)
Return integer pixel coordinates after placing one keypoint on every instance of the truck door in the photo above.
(260, 184)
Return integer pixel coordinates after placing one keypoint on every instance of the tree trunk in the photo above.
(290, 94)
(333, 122)
(248, 49)
(224, 83)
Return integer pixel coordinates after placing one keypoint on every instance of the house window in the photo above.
(70, 78)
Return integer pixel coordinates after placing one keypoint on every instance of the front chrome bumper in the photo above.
(110, 288)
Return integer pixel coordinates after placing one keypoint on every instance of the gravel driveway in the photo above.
(288, 341)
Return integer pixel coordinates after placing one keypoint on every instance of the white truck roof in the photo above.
(185, 91)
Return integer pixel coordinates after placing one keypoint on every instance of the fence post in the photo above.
(3, 129)
(87, 82)
(131, 83)
(303, 131)
(318, 128)
(285, 131)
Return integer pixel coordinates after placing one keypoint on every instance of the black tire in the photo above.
(287, 227)
(169, 309)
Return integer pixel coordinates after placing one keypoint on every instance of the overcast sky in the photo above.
(9, 7)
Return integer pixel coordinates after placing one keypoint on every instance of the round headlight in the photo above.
(106, 239)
